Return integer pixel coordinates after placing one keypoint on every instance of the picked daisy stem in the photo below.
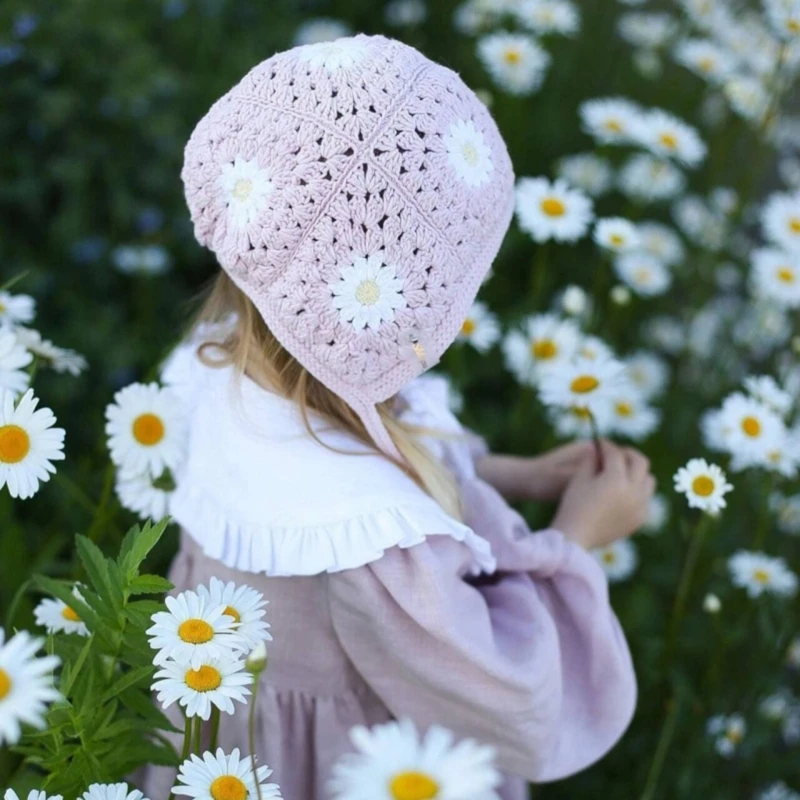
(251, 732)
(598, 448)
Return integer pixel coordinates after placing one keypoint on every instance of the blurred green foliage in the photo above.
(98, 99)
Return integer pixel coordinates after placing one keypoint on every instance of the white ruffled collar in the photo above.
(260, 495)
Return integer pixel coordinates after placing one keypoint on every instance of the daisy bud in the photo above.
(574, 301)
(621, 295)
(256, 662)
(712, 604)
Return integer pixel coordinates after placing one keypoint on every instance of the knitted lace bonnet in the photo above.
(358, 193)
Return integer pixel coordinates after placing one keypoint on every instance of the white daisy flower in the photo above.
(216, 776)
(747, 97)
(582, 383)
(481, 328)
(340, 54)
(787, 513)
(751, 428)
(392, 761)
(13, 360)
(32, 795)
(778, 791)
(111, 791)
(405, 13)
(647, 179)
(775, 276)
(647, 29)
(661, 242)
(727, 732)
(616, 234)
(26, 685)
(706, 59)
(321, 29)
(776, 706)
(646, 275)
(544, 342)
(632, 417)
(368, 292)
(143, 495)
(57, 617)
(780, 219)
(618, 559)
(765, 389)
(548, 210)
(783, 458)
(648, 373)
(468, 153)
(588, 172)
(16, 309)
(703, 225)
(216, 682)
(594, 348)
(759, 573)
(667, 333)
(704, 485)
(610, 120)
(28, 444)
(245, 605)
(666, 136)
(143, 260)
(192, 631)
(657, 514)
(59, 359)
(578, 423)
(146, 429)
(246, 187)
(516, 62)
(706, 14)
(784, 17)
(544, 17)
(574, 301)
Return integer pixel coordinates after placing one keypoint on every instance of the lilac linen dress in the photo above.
(378, 613)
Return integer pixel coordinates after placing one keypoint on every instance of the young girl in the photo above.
(355, 194)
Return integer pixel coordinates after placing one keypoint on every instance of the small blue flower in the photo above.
(150, 219)
(24, 25)
(175, 8)
(88, 250)
(9, 53)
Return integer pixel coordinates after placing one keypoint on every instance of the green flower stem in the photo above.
(187, 743)
(215, 715)
(539, 277)
(685, 583)
(664, 742)
(251, 733)
(198, 732)
(764, 520)
(100, 514)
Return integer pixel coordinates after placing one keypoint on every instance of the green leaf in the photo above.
(96, 566)
(72, 670)
(149, 584)
(138, 678)
(137, 545)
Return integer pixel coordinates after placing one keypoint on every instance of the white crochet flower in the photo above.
(469, 155)
(336, 55)
(246, 187)
(368, 292)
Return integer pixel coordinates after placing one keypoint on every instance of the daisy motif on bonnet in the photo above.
(358, 193)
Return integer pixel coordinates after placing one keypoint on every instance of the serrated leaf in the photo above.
(138, 678)
(72, 670)
(96, 566)
(138, 544)
(149, 584)
(142, 704)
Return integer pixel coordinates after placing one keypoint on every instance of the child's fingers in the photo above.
(613, 459)
(638, 465)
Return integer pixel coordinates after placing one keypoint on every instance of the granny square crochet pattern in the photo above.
(358, 193)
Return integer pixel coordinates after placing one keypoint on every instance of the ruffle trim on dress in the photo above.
(347, 544)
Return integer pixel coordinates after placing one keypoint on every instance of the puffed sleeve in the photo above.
(532, 662)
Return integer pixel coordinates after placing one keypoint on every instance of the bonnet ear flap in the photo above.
(377, 430)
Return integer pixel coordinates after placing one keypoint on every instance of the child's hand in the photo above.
(550, 473)
(599, 507)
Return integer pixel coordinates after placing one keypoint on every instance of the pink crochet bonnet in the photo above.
(358, 193)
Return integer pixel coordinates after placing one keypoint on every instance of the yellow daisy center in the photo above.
(15, 444)
(5, 684)
(669, 140)
(794, 224)
(584, 384)
(785, 274)
(195, 631)
(468, 327)
(413, 786)
(553, 207)
(242, 189)
(544, 349)
(613, 125)
(232, 612)
(734, 735)
(760, 576)
(148, 429)
(617, 239)
(706, 64)
(751, 426)
(793, 25)
(642, 275)
(470, 153)
(205, 679)
(368, 292)
(2, 307)
(609, 557)
(228, 787)
(69, 614)
(703, 486)
(624, 409)
(512, 56)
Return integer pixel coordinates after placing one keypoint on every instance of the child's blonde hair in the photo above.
(251, 349)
